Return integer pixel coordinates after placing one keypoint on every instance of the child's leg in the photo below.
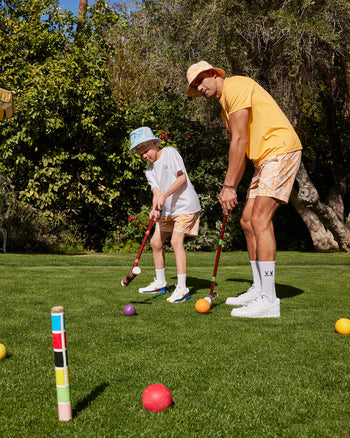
(157, 241)
(177, 242)
(159, 285)
(184, 225)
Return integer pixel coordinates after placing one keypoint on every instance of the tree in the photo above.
(65, 149)
(297, 49)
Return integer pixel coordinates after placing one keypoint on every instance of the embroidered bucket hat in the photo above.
(195, 70)
(140, 135)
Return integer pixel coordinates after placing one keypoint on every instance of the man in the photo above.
(260, 131)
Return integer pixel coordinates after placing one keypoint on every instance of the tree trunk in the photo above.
(336, 203)
(322, 239)
(81, 14)
(307, 199)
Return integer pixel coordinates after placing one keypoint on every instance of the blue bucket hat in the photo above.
(140, 135)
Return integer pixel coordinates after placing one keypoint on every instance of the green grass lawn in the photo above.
(229, 377)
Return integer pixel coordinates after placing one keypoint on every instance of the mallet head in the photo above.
(211, 298)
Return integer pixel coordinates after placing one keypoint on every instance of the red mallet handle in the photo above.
(218, 255)
(136, 262)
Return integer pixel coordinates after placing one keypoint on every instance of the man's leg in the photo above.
(248, 229)
(271, 185)
(249, 233)
(262, 216)
(268, 305)
(263, 211)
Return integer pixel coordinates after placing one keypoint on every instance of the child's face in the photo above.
(148, 151)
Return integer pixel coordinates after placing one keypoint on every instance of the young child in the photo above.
(176, 199)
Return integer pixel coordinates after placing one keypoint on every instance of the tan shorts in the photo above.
(182, 223)
(275, 177)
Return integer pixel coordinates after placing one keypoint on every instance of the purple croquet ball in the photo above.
(129, 310)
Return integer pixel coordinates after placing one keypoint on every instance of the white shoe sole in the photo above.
(161, 290)
(180, 299)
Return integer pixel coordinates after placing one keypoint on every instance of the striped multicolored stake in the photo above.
(61, 363)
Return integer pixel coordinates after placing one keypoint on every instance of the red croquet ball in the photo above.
(156, 397)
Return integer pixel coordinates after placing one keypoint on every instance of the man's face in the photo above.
(206, 84)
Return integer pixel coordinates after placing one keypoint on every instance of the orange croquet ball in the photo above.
(342, 326)
(202, 306)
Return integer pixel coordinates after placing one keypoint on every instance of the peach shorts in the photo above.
(182, 223)
(275, 177)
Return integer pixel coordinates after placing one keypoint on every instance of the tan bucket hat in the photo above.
(195, 70)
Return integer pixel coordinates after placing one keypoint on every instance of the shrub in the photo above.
(128, 236)
(31, 230)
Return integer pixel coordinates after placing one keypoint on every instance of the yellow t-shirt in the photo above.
(269, 131)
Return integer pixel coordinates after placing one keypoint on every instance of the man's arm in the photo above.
(238, 122)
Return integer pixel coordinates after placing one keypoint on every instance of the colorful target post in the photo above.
(64, 404)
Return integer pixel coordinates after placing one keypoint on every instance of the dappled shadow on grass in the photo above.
(286, 291)
(198, 284)
(85, 402)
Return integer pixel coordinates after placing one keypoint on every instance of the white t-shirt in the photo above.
(162, 173)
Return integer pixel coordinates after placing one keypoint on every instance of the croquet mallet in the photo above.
(214, 294)
(135, 270)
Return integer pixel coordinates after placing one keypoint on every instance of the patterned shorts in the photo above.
(182, 223)
(275, 177)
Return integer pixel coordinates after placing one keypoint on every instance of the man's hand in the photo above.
(228, 200)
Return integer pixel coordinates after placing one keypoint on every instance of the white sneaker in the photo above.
(243, 299)
(259, 308)
(156, 287)
(179, 295)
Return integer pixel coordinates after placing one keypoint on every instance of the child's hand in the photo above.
(160, 201)
(154, 213)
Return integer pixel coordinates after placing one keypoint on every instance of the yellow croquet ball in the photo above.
(342, 326)
(202, 306)
(3, 351)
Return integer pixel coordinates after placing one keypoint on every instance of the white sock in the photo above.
(256, 275)
(181, 280)
(160, 274)
(267, 273)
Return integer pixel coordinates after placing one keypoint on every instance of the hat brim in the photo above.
(193, 92)
(133, 148)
